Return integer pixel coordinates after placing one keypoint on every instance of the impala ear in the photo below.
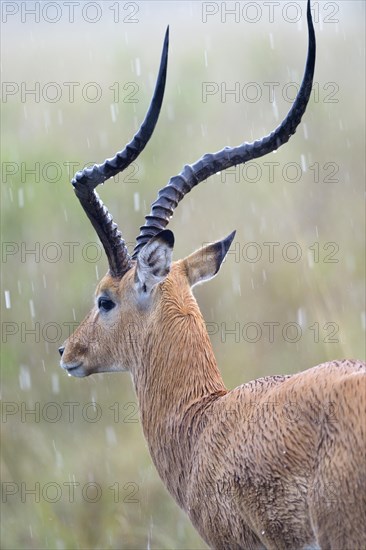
(153, 261)
(203, 264)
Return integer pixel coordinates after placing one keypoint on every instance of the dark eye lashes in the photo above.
(105, 304)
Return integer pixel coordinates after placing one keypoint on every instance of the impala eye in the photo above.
(105, 304)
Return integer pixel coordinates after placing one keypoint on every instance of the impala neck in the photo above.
(177, 379)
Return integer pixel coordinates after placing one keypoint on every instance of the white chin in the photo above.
(78, 372)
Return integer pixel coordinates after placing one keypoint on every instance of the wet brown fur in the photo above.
(276, 463)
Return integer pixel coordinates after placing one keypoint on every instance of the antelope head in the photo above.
(128, 300)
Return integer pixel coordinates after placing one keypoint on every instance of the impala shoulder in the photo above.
(245, 400)
(330, 372)
(261, 385)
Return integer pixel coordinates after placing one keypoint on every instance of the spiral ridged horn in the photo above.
(178, 186)
(86, 181)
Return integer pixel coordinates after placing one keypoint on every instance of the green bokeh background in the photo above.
(50, 289)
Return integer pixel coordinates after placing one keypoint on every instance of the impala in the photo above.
(246, 476)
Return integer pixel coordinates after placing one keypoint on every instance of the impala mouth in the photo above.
(74, 370)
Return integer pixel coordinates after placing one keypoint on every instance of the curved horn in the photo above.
(168, 198)
(84, 182)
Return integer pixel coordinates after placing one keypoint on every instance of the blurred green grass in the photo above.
(107, 452)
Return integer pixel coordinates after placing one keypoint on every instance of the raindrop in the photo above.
(310, 259)
(235, 285)
(113, 112)
(363, 319)
(110, 435)
(91, 477)
(149, 535)
(31, 307)
(305, 130)
(55, 382)
(7, 299)
(21, 197)
(206, 61)
(136, 201)
(271, 41)
(59, 459)
(24, 378)
(303, 163)
(97, 272)
(301, 317)
(137, 66)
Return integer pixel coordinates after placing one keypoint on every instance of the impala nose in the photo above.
(61, 350)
